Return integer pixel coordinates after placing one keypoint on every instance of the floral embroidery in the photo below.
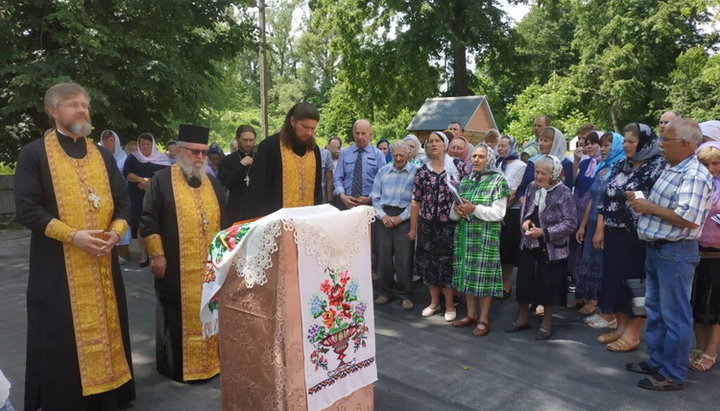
(338, 319)
(224, 242)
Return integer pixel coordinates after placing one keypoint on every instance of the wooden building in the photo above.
(472, 112)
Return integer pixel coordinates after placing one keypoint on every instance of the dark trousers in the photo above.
(168, 340)
(395, 256)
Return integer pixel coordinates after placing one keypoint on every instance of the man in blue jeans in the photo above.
(671, 222)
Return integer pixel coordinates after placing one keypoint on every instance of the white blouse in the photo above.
(514, 173)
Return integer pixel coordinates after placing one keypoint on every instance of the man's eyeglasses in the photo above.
(197, 152)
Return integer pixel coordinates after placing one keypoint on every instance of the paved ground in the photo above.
(423, 364)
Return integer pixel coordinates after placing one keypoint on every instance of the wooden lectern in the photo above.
(261, 349)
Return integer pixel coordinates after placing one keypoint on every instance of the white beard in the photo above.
(190, 171)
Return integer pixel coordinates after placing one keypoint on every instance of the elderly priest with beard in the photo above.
(182, 211)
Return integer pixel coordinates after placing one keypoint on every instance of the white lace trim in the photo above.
(257, 258)
(334, 245)
(328, 250)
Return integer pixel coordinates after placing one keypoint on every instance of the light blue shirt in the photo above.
(326, 164)
(373, 159)
(393, 188)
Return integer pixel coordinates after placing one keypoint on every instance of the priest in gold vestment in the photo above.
(182, 211)
(72, 196)
(286, 169)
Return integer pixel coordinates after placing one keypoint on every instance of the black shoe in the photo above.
(543, 334)
(641, 367)
(658, 382)
(514, 327)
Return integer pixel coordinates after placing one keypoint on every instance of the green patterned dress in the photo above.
(476, 256)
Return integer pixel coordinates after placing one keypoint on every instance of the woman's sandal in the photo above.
(694, 354)
(621, 345)
(464, 322)
(481, 332)
(587, 309)
(607, 338)
(702, 362)
(596, 321)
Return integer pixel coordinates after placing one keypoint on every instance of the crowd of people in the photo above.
(624, 212)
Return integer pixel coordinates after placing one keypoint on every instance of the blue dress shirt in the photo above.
(373, 159)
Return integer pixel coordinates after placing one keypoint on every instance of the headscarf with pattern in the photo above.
(556, 179)
(512, 154)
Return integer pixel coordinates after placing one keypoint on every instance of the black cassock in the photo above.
(159, 217)
(236, 177)
(52, 375)
(266, 176)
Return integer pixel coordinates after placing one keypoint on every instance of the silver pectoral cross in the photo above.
(247, 180)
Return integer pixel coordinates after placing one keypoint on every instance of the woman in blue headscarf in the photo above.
(588, 276)
(616, 234)
(509, 164)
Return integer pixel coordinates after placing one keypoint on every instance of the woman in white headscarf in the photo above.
(710, 130)
(110, 140)
(549, 218)
(551, 141)
(139, 169)
(476, 257)
(416, 152)
(430, 222)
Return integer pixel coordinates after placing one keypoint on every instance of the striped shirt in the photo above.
(393, 187)
(685, 188)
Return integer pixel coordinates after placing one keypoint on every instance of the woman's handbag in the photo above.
(636, 289)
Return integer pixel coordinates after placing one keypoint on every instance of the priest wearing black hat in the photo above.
(182, 211)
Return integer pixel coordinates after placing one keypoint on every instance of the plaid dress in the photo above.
(476, 256)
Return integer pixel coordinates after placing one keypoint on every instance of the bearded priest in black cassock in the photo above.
(286, 169)
(72, 196)
(182, 211)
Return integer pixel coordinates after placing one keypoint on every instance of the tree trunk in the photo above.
(614, 117)
(459, 56)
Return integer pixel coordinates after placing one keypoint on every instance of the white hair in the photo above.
(688, 130)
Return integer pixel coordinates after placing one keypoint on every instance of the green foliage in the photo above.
(148, 65)
(557, 99)
(694, 83)
(625, 64)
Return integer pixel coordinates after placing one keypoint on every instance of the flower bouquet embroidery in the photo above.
(338, 319)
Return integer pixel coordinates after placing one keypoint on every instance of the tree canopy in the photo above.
(151, 64)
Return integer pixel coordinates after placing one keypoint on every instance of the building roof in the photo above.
(436, 113)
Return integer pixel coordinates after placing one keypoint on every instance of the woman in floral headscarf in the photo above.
(588, 275)
(616, 235)
(548, 220)
(476, 258)
(140, 166)
(459, 147)
(430, 222)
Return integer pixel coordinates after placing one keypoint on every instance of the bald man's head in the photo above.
(362, 133)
